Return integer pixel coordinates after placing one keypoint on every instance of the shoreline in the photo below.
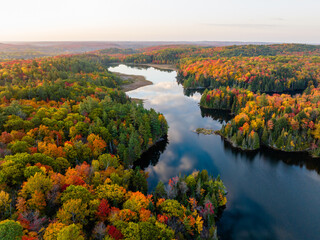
(154, 65)
(232, 143)
(162, 66)
(265, 146)
(134, 81)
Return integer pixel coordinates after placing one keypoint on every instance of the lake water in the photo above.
(271, 195)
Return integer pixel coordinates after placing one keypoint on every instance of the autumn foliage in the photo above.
(69, 138)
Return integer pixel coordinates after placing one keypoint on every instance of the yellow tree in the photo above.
(73, 211)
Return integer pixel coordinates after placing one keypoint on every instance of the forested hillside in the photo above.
(69, 138)
(265, 74)
(283, 122)
(173, 54)
(238, 75)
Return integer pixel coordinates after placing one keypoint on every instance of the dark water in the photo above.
(271, 195)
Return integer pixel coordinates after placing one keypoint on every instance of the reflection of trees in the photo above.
(191, 92)
(300, 159)
(144, 67)
(152, 155)
(247, 221)
(218, 115)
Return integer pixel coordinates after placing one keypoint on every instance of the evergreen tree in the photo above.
(256, 141)
(264, 138)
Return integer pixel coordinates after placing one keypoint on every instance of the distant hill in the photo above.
(26, 50)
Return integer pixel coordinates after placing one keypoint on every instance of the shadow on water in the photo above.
(152, 155)
(272, 194)
(300, 159)
(191, 92)
(144, 67)
(247, 220)
(221, 116)
(294, 159)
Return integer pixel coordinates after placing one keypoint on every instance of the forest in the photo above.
(264, 68)
(282, 122)
(265, 74)
(70, 137)
(69, 140)
(175, 54)
(271, 91)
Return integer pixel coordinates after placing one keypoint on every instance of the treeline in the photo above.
(260, 50)
(27, 54)
(57, 78)
(69, 138)
(265, 74)
(283, 122)
(163, 56)
(173, 54)
(226, 98)
(266, 68)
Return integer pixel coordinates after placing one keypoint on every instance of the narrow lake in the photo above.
(270, 195)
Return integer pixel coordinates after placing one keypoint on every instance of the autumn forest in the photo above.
(70, 137)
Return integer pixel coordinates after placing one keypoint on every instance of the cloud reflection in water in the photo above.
(271, 195)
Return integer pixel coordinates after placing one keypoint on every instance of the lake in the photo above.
(271, 195)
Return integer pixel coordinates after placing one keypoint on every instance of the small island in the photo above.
(204, 131)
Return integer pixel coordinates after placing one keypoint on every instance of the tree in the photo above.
(280, 142)
(76, 192)
(99, 231)
(264, 137)
(108, 160)
(112, 192)
(138, 181)
(19, 147)
(172, 208)
(96, 144)
(316, 132)
(32, 221)
(256, 141)
(103, 210)
(114, 232)
(134, 148)
(31, 171)
(39, 182)
(34, 191)
(71, 232)
(5, 137)
(10, 230)
(73, 211)
(5, 201)
(11, 170)
(136, 202)
(53, 230)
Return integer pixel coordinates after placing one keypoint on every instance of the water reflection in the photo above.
(152, 155)
(244, 223)
(274, 156)
(222, 116)
(144, 67)
(272, 195)
(191, 92)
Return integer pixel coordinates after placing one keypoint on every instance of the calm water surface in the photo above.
(270, 195)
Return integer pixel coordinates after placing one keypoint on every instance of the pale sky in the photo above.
(165, 20)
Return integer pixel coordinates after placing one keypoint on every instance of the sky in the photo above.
(166, 20)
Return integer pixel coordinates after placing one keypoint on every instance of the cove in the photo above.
(271, 195)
